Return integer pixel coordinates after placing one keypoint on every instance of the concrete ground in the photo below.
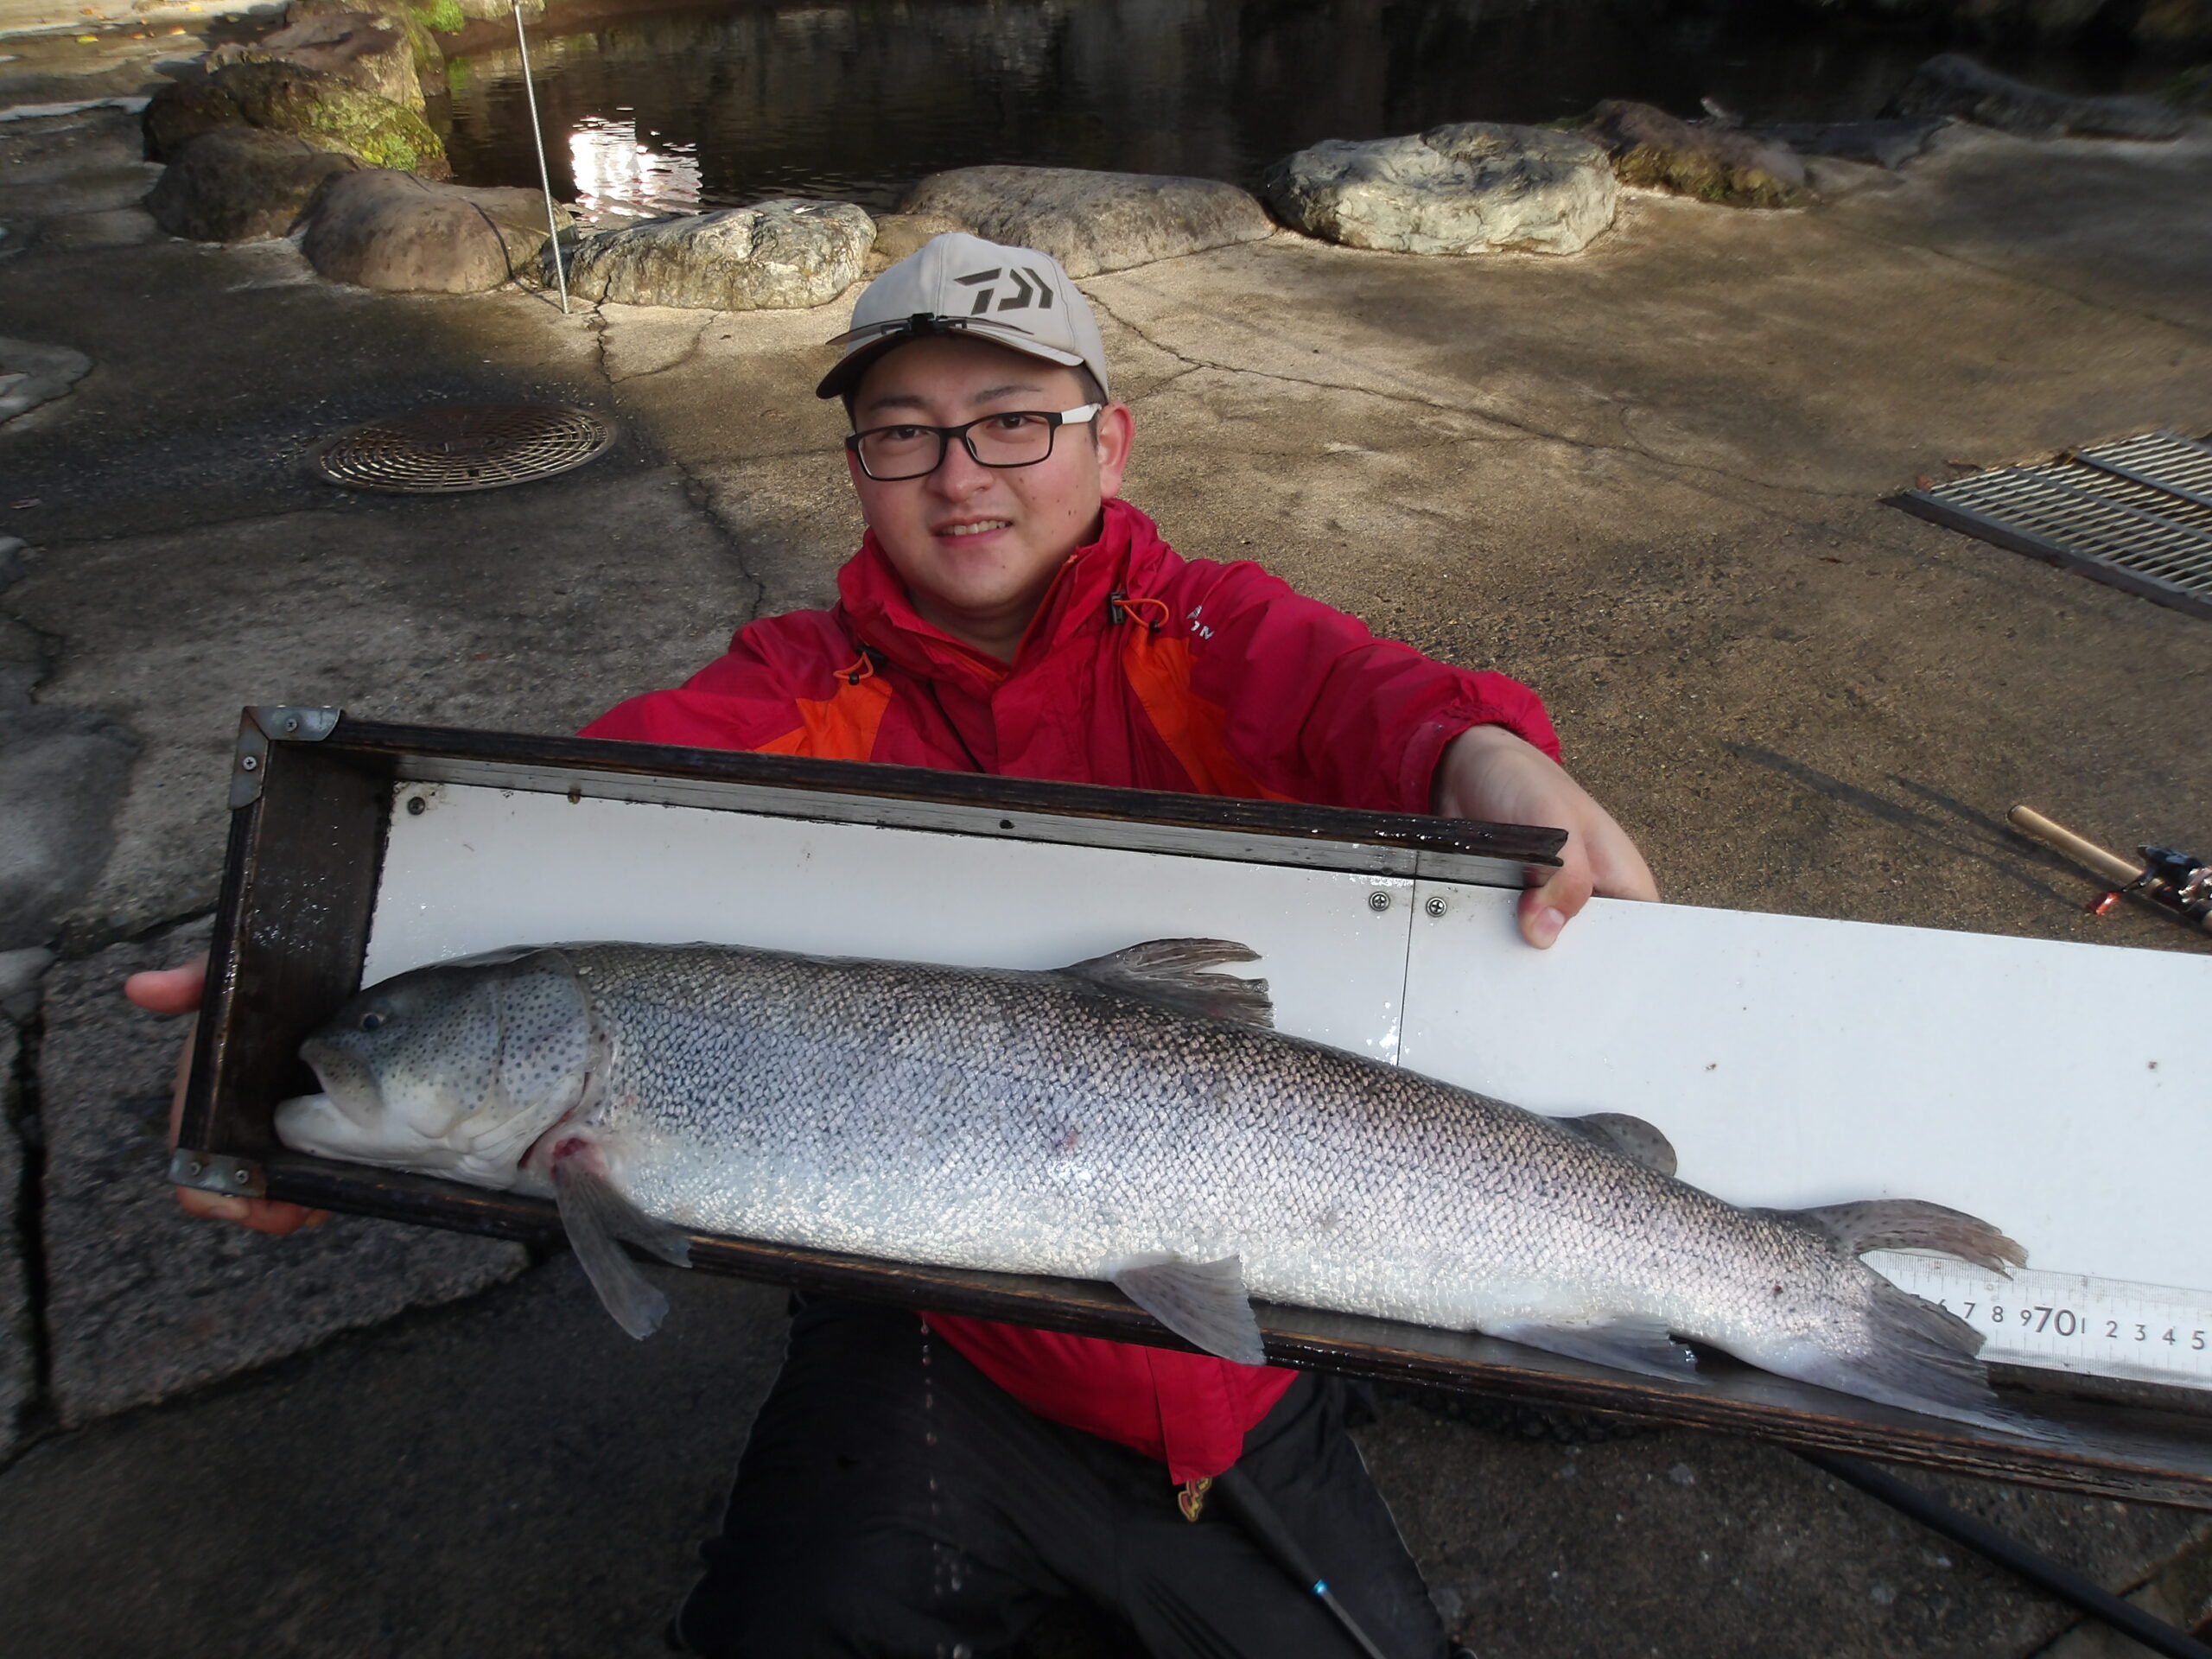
(1646, 480)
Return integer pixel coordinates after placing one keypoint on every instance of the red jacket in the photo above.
(1140, 669)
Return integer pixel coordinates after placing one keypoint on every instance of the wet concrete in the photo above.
(1646, 481)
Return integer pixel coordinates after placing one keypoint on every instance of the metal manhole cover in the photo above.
(2136, 514)
(453, 447)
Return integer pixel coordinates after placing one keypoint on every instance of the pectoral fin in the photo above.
(1202, 1302)
(1627, 1344)
(597, 1217)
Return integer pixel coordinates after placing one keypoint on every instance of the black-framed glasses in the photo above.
(1017, 437)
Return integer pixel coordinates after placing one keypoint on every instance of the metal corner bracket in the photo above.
(262, 724)
(212, 1171)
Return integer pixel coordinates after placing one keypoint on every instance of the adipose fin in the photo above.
(1632, 1137)
(1202, 1302)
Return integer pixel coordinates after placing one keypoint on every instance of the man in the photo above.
(925, 1486)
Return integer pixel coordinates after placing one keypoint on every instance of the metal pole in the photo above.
(544, 173)
(2040, 1570)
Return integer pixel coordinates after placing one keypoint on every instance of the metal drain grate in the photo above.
(455, 447)
(2137, 514)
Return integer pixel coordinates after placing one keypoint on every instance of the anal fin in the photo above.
(1628, 1343)
(597, 1217)
(1202, 1302)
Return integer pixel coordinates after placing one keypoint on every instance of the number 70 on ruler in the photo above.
(2069, 1322)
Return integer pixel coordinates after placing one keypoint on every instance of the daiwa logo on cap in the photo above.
(1026, 280)
(1018, 298)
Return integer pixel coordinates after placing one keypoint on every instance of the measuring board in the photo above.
(1792, 1061)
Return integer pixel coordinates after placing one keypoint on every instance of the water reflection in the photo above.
(618, 177)
(858, 100)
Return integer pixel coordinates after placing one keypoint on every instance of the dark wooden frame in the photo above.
(311, 796)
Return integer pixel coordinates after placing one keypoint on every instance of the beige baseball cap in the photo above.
(958, 283)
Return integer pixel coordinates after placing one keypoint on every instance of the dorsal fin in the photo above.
(1632, 1137)
(1174, 973)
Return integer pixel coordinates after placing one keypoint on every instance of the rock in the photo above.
(394, 230)
(1469, 187)
(62, 773)
(18, 1336)
(898, 235)
(2175, 24)
(1713, 164)
(31, 374)
(430, 57)
(239, 184)
(1879, 143)
(20, 973)
(2192, 90)
(182, 111)
(1954, 83)
(1090, 221)
(499, 11)
(327, 111)
(773, 256)
(15, 561)
(22, 664)
(143, 1301)
(358, 48)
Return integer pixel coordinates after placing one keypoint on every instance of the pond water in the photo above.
(721, 105)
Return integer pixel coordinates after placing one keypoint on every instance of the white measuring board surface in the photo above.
(1792, 1061)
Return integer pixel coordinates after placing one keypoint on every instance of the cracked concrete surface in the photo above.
(1646, 480)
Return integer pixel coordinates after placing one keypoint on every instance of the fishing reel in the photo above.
(2178, 881)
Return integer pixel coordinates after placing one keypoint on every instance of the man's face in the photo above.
(977, 546)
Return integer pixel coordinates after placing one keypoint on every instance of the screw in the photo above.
(1378, 901)
(191, 1168)
(292, 724)
(238, 1176)
(415, 804)
(1436, 906)
(248, 763)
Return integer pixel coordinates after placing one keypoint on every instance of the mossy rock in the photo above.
(440, 16)
(430, 57)
(1706, 178)
(333, 115)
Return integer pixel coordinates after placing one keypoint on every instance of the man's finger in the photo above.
(168, 990)
(270, 1216)
(1547, 906)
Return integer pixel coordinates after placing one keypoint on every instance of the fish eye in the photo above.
(371, 1021)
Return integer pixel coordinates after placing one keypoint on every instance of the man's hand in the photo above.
(1488, 772)
(178, 990)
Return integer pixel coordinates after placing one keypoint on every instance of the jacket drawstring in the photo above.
(862, 667)
(1120, 607)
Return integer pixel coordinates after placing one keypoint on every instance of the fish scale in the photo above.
(1090, 1123)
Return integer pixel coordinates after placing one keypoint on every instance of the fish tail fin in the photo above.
(1911, 1353)
(1912, 1224)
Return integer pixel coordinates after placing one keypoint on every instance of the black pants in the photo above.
(895, 1502)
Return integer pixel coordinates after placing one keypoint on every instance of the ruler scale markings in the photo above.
(2069, 1322)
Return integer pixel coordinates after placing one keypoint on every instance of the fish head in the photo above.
(456, 1068)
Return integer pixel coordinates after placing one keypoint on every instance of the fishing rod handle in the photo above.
(2088, 854)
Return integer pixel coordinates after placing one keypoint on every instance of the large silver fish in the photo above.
(1133, 1118)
